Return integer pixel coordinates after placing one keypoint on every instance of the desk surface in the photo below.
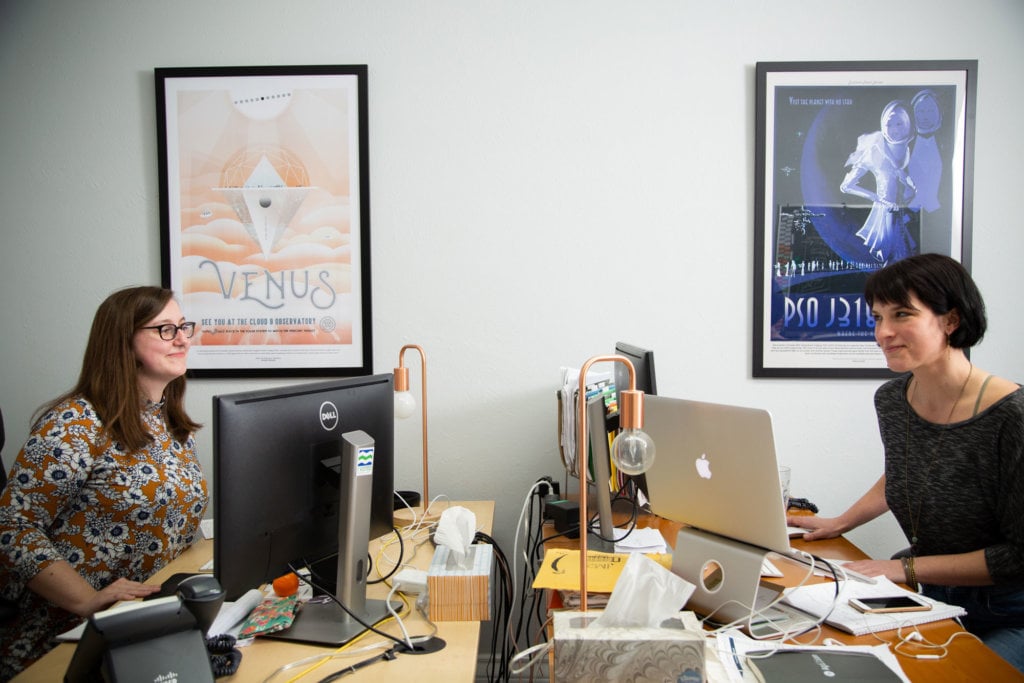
(968, 659)
(456, 662)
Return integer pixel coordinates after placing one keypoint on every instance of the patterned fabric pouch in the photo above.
(270, 616)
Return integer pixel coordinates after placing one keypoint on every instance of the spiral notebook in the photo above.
(820, 599)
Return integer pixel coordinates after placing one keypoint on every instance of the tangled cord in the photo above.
(224, 656)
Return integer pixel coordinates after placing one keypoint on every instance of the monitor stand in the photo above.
(729, 590)
(327, 623)
(726, 573)
(602, 475)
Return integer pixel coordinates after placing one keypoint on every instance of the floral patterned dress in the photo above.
(74, 495)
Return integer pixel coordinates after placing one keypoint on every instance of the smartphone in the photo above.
(894, 603)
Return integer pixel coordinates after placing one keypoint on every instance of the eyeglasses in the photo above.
(168, 331)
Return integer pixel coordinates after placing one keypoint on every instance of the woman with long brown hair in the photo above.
(108, 488)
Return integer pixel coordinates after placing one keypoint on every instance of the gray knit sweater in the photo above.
(960, 486)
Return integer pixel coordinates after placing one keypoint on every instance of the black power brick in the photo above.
(566, 515)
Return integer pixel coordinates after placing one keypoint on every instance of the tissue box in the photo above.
(584, 652)
(458, 594)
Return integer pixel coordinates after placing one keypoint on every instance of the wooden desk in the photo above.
(967, 659)
(456, 662)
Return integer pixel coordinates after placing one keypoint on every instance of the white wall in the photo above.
(523, 156)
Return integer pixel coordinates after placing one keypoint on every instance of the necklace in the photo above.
(915, 517)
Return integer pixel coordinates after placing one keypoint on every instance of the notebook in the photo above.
(806, 666)
(820, 600)
(716, 470)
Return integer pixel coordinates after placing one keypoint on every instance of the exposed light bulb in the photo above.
(633, 451)
(405, 404)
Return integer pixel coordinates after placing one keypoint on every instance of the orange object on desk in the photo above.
(286, 585)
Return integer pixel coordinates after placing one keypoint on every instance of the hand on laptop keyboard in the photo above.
(841, 570)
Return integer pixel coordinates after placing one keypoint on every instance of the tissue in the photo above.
(587, 653)
(640, 637)
(646, 594)
(455, 531)
(458, 579)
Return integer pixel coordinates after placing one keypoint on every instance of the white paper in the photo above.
(820, 600)
(641, 540)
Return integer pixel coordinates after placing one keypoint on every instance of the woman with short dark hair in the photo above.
(954, 453)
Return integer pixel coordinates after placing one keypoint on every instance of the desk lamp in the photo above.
(405, 404)
(632, 450)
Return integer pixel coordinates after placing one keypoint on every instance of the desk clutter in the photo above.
(683, 647)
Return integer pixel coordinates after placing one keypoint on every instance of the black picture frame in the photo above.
(820, 225)
(265, 216)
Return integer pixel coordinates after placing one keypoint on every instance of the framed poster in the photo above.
(265, 217)
(858, 164)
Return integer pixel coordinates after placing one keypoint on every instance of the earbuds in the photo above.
(916, 637)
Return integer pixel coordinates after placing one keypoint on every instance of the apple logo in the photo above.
(703, 466)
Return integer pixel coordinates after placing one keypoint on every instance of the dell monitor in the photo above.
(280, 493)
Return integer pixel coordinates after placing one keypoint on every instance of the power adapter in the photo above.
(411, 581)
(547, 488)
(566, 516)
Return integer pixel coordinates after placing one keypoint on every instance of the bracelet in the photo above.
(908, 571)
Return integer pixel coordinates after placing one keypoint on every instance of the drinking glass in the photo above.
(784, 475)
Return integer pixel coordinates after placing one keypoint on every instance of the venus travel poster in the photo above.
(264, 217)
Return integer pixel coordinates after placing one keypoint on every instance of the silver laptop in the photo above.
(716, 472)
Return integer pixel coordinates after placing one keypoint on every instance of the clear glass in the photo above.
(784, 477)
(633, 451)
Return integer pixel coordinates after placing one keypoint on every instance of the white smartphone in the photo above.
(893, 603)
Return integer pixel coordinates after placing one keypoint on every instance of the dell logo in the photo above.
(328, 415)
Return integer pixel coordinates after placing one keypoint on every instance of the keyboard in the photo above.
(840, 567)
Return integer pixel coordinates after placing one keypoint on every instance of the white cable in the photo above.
(785, 634)
(316, 659)
(401, 623)
(521, 530)
(421, 607)
(433, 500)
(532, 655)
(515, 553)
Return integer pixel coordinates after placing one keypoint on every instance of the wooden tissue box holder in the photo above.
(458, 594)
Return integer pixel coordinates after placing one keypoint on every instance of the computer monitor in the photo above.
(600, 455)
(278, 500)
(643, 363)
